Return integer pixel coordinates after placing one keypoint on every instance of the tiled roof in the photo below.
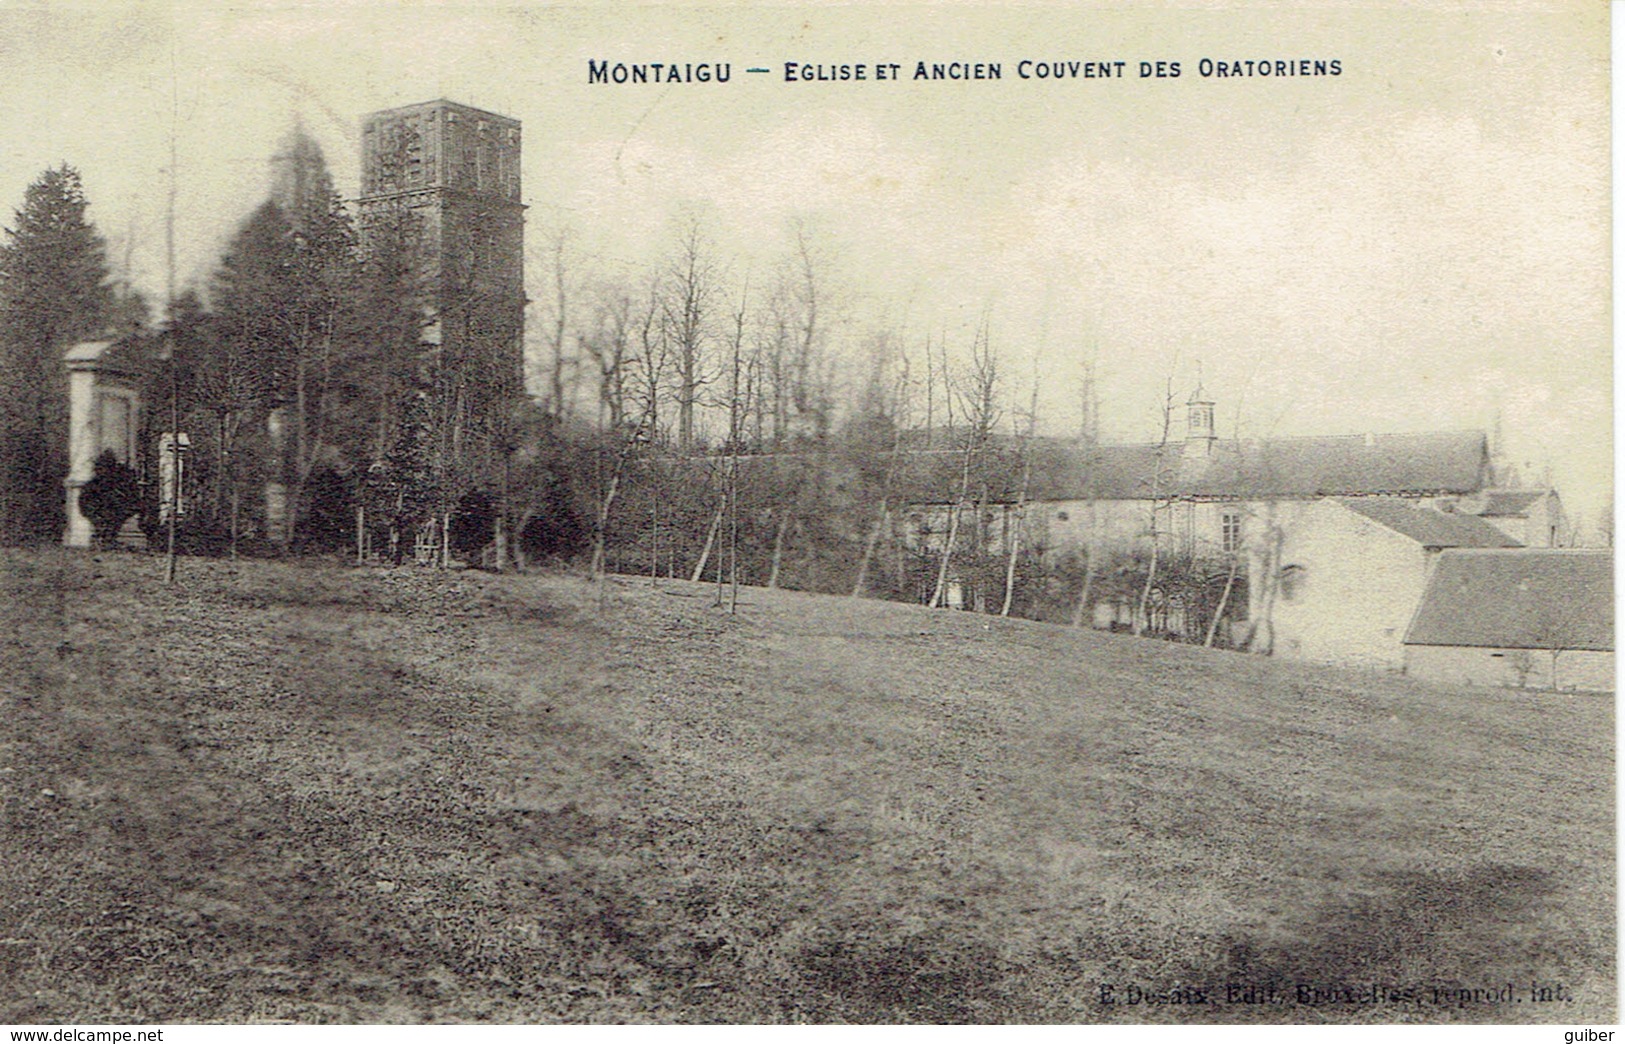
(1502, 503)
(1427, 526)
(1340, 465)
(1526, 599)
(1426, 464)
(127, 355)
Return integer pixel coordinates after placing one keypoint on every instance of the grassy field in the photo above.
(307, 793)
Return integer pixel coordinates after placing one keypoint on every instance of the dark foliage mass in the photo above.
(330, 518)
(475, 522)
(557, 531)
(111, 498)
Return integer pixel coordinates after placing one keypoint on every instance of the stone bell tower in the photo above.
(456, 169)
(1200, 433)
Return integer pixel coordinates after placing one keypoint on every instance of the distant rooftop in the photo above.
(1428, 526)
(1508, 503)
(1422, 464)
(127, 355)
(1537, 598)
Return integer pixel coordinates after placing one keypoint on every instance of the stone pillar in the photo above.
(104, 410)
(83, 438)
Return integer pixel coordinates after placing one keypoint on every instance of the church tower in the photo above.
(456, 169)
(1200, 432)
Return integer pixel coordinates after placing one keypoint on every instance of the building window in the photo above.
(1230, 531)
(1292, 583)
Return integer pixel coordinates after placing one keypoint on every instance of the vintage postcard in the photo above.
(745, 513)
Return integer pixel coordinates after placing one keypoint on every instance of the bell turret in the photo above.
(1199, 433)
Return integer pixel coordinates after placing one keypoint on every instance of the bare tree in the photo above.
(1026, 464)
(874, 417)
(1089, 450)
(690, 290)
(811, 389)
(978, 396)
(794, 372)
(228, 386)
(1232, 544)
(737, 407)
(608, 344)
(1159, 479)
(640, 374)
(557, 309)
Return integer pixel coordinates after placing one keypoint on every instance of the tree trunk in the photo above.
(1142, 618)
(1224, 600)
(705, 553)
(720, 555)
(1082, 608)
(733, 538)
(217, 502)
(499, 532)
(1262, 591)
(654, 546)
(899, 560)
(600, 538)
(1015, 550)
(236, 504)
(869, 550)
(941, 589)
(972, 451)
(778, 552)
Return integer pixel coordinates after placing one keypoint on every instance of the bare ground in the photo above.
(307, 793)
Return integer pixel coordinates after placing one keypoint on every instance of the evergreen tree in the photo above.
(285, 300)
(220, 391)
(382, 363)
(401, 490)
(319, 321)
(249, 291)
(53, 292)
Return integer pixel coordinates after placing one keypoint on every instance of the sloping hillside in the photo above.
(284, 792)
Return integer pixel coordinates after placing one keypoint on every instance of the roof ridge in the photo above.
(1527, 550)
(1232, 440)
(1376, 434)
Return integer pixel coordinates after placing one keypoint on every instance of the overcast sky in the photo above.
(1418, 243)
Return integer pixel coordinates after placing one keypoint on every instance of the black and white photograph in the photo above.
(742, 514)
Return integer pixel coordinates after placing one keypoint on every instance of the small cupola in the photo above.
(1199, 416)
(1199, 433)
